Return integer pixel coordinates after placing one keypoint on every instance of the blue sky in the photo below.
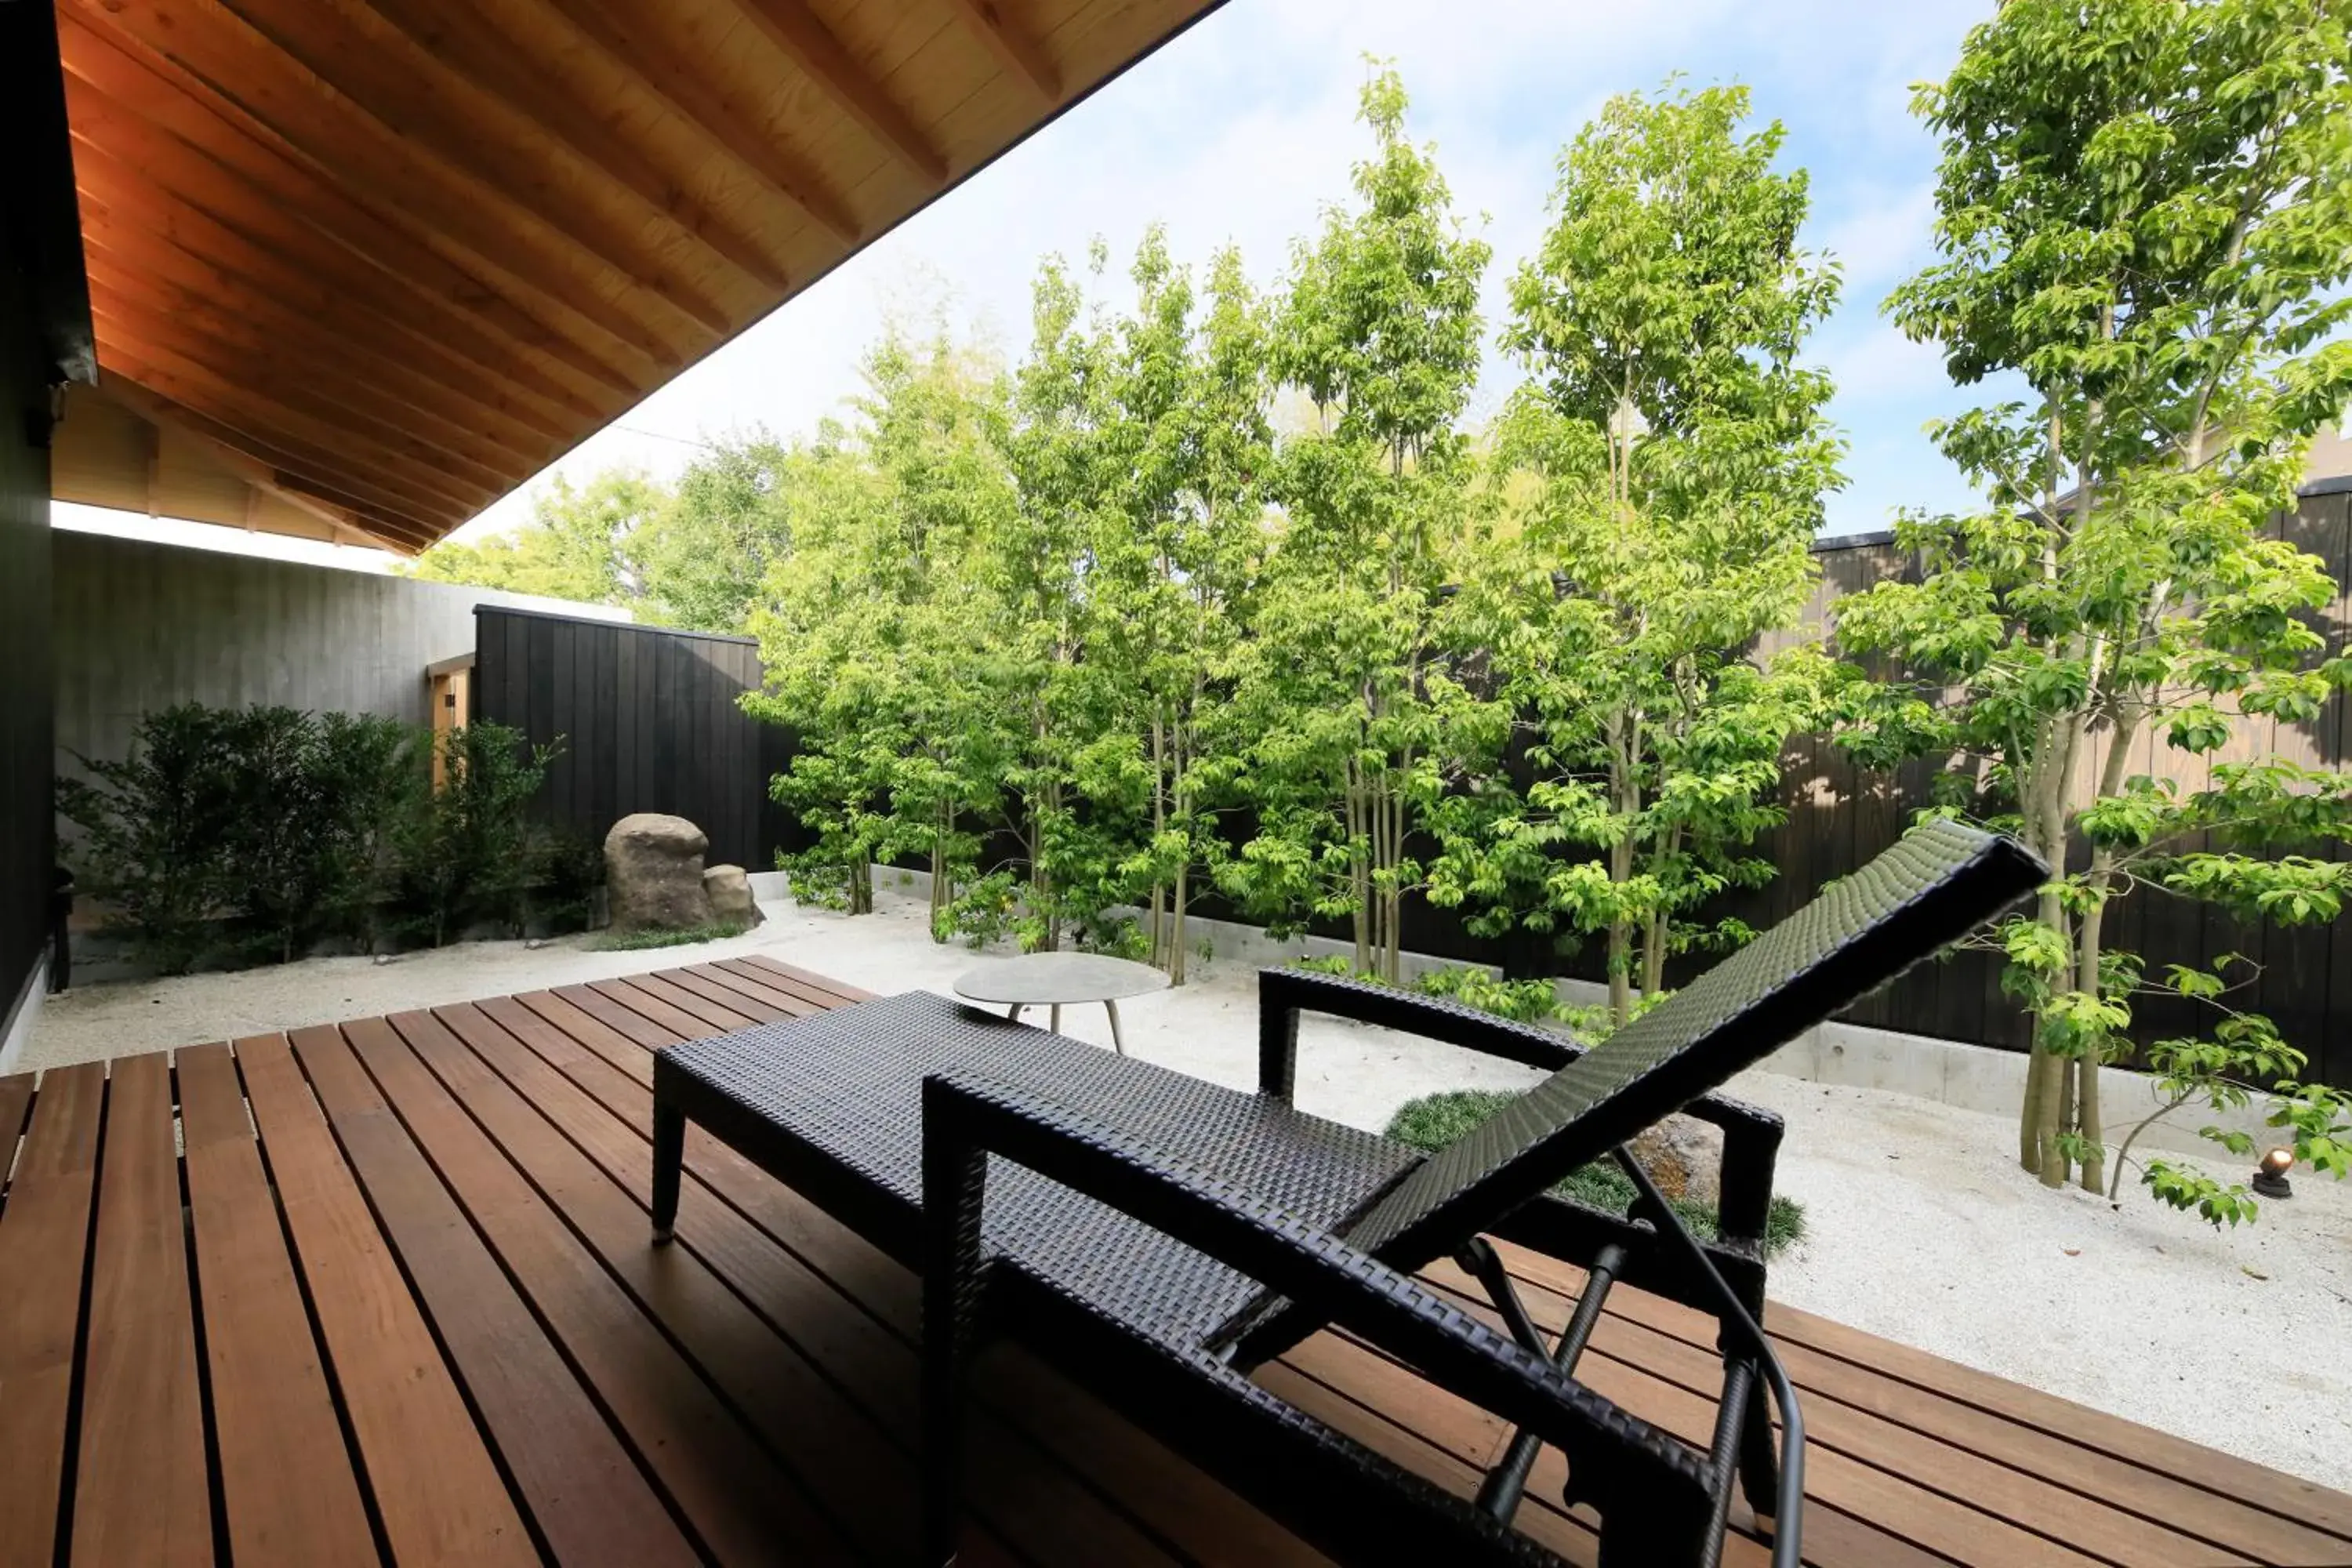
(1243, 129)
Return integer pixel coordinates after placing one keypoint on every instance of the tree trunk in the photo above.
(1176, 943)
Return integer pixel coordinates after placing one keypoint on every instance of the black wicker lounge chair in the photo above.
(1158, 1236)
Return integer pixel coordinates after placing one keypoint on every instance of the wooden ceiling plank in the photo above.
(381, 516)
(398, 426)
(203, 143)
(238, 68)
(115, 244)
(638, 46)
(202, 225)
(334, 448)
(500, 70)
(243, 329)
(409, 98)
(1010, 42)
(810, 44)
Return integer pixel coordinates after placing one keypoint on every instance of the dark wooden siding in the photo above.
(1839, 816)
(44, 340)
(649, 721)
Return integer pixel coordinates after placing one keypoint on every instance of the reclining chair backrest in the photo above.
(1936, 884)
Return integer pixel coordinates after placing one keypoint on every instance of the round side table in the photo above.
(1057, 980)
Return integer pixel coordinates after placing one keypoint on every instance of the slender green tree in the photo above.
(2144, 219)
(1176, 562)
(1678, 455)
(703, 556)
(1360, 716)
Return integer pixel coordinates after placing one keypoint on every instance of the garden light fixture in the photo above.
(2270, 1176)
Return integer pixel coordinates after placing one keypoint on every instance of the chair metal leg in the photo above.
(1117, 1043)
(669, 1166)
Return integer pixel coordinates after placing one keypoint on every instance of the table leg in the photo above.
(1118, 1043)
(1012, 1014)
(1055, 1015)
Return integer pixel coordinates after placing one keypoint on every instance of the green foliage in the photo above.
(1668, 458)
(2142, 218)
(1434, 1120)
(256, 833)
(1521, 1001)
(643, 940)
(704, 553)
(577, 545)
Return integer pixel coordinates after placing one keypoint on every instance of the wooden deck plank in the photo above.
(741, 1507)
(288, 1485)
(1960, 1435)
(44, 1238)
(458, 1342)
(15, 1099)
(749, 987)
(142, 1485)
(806, 1308)
(581, 1487)
(685, 1023)
(816, 987)
(435, 1484)
(1963, 1481)
(831, 1446)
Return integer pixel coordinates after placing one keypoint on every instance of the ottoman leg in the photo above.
(669, 1164)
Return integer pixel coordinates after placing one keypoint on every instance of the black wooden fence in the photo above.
(649, 721)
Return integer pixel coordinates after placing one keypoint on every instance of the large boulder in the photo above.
(729, 891)
(653, 873)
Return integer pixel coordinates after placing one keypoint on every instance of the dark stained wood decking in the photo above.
(384, 1292)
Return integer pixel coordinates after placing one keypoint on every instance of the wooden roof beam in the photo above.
(246, 76)
(810, 44)
(336, 453)
(258, 462)
(1006, 39)
(335, 395)
(257, 324)
(220, 222)
(641, 49)
(461, 41)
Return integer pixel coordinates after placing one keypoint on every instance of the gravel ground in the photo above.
(1921, 1228)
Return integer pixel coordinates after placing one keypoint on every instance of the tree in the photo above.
(703, 554)
(1678, 455)
(1361, 720)
(577, 545)
(2143, 218)
(874, 645)
(1176, 560)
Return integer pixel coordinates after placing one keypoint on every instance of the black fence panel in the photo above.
(649, 720)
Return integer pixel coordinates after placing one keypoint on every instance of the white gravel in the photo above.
(1921, 1227)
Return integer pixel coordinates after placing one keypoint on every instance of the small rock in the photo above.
(729, 888)
(1683, 1156)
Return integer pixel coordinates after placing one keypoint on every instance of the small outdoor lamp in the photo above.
(2270, 1176)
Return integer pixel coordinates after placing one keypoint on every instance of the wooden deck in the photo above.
(418, 1319)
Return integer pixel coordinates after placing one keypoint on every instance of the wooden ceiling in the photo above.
(388, 258)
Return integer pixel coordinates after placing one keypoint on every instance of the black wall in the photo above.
(649, 721)
(44, 340)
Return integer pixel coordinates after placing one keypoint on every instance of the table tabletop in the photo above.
(1041, 979)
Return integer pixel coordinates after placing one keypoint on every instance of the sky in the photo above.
(1242, 130)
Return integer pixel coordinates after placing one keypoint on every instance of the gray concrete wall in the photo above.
(141, 625)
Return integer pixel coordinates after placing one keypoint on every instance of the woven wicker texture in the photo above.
(1721, 1016)
(850, 1082)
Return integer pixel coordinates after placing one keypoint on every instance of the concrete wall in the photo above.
(141, 625)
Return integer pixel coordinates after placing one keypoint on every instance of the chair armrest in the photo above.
(1284, 993)
(966, 1119)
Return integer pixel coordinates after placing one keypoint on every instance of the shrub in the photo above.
(255, 831)
(1436, 1120)
(636, 941)
(153, 826)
